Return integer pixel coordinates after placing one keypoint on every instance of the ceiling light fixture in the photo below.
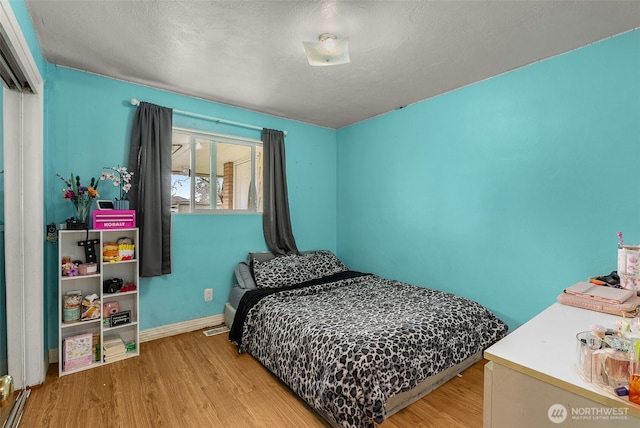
(329, 50)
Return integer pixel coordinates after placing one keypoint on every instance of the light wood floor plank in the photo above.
(191, 380)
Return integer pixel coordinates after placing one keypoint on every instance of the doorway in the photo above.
(21, 335)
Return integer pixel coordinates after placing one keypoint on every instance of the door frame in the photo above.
(23, 123)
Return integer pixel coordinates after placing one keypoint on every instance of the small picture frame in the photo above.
(104, 204)
(119, 318)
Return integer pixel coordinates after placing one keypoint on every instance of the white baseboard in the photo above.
(180, 327)
(166, 331)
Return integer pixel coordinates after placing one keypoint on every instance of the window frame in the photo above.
(214, 138)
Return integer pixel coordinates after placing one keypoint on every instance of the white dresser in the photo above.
(531, 378)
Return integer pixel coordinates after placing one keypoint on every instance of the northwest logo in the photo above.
(557, 413)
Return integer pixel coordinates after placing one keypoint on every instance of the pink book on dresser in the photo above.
(600, 292)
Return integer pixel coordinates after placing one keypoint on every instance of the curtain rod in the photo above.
(135, 102)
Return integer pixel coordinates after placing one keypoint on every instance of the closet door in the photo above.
(22, 165)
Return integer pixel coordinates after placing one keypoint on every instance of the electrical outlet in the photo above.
(208, 294)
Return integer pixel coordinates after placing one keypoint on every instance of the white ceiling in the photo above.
(249, 54)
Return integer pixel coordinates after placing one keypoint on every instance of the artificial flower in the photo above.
(81, 196)
(120, 177)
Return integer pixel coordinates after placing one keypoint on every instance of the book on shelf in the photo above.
(112, 344)
(107, 358)
(113, 352)
(113, 349)
(77, 351)
(115, 358)
(96, 346)
(112, 340)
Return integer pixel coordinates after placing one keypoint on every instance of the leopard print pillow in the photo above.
(293, 269)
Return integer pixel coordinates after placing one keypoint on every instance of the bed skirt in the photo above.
(229, 314)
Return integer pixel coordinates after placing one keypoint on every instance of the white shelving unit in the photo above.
(127, 270)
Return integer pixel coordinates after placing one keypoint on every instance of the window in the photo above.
(227, 176)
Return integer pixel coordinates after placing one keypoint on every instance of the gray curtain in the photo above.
(276, 222)
(150, 195)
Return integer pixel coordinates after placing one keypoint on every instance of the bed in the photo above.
(356, 347)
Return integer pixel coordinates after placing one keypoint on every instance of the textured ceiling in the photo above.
(249, 53)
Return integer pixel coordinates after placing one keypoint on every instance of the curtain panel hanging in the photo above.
(150, 195)
(276, 221)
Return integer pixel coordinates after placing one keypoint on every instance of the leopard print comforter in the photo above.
(346, 347)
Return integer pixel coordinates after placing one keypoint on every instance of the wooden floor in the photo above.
(191, 380)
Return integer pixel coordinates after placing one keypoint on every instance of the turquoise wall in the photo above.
(88, 123)
(505, 191)
(24, 20)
